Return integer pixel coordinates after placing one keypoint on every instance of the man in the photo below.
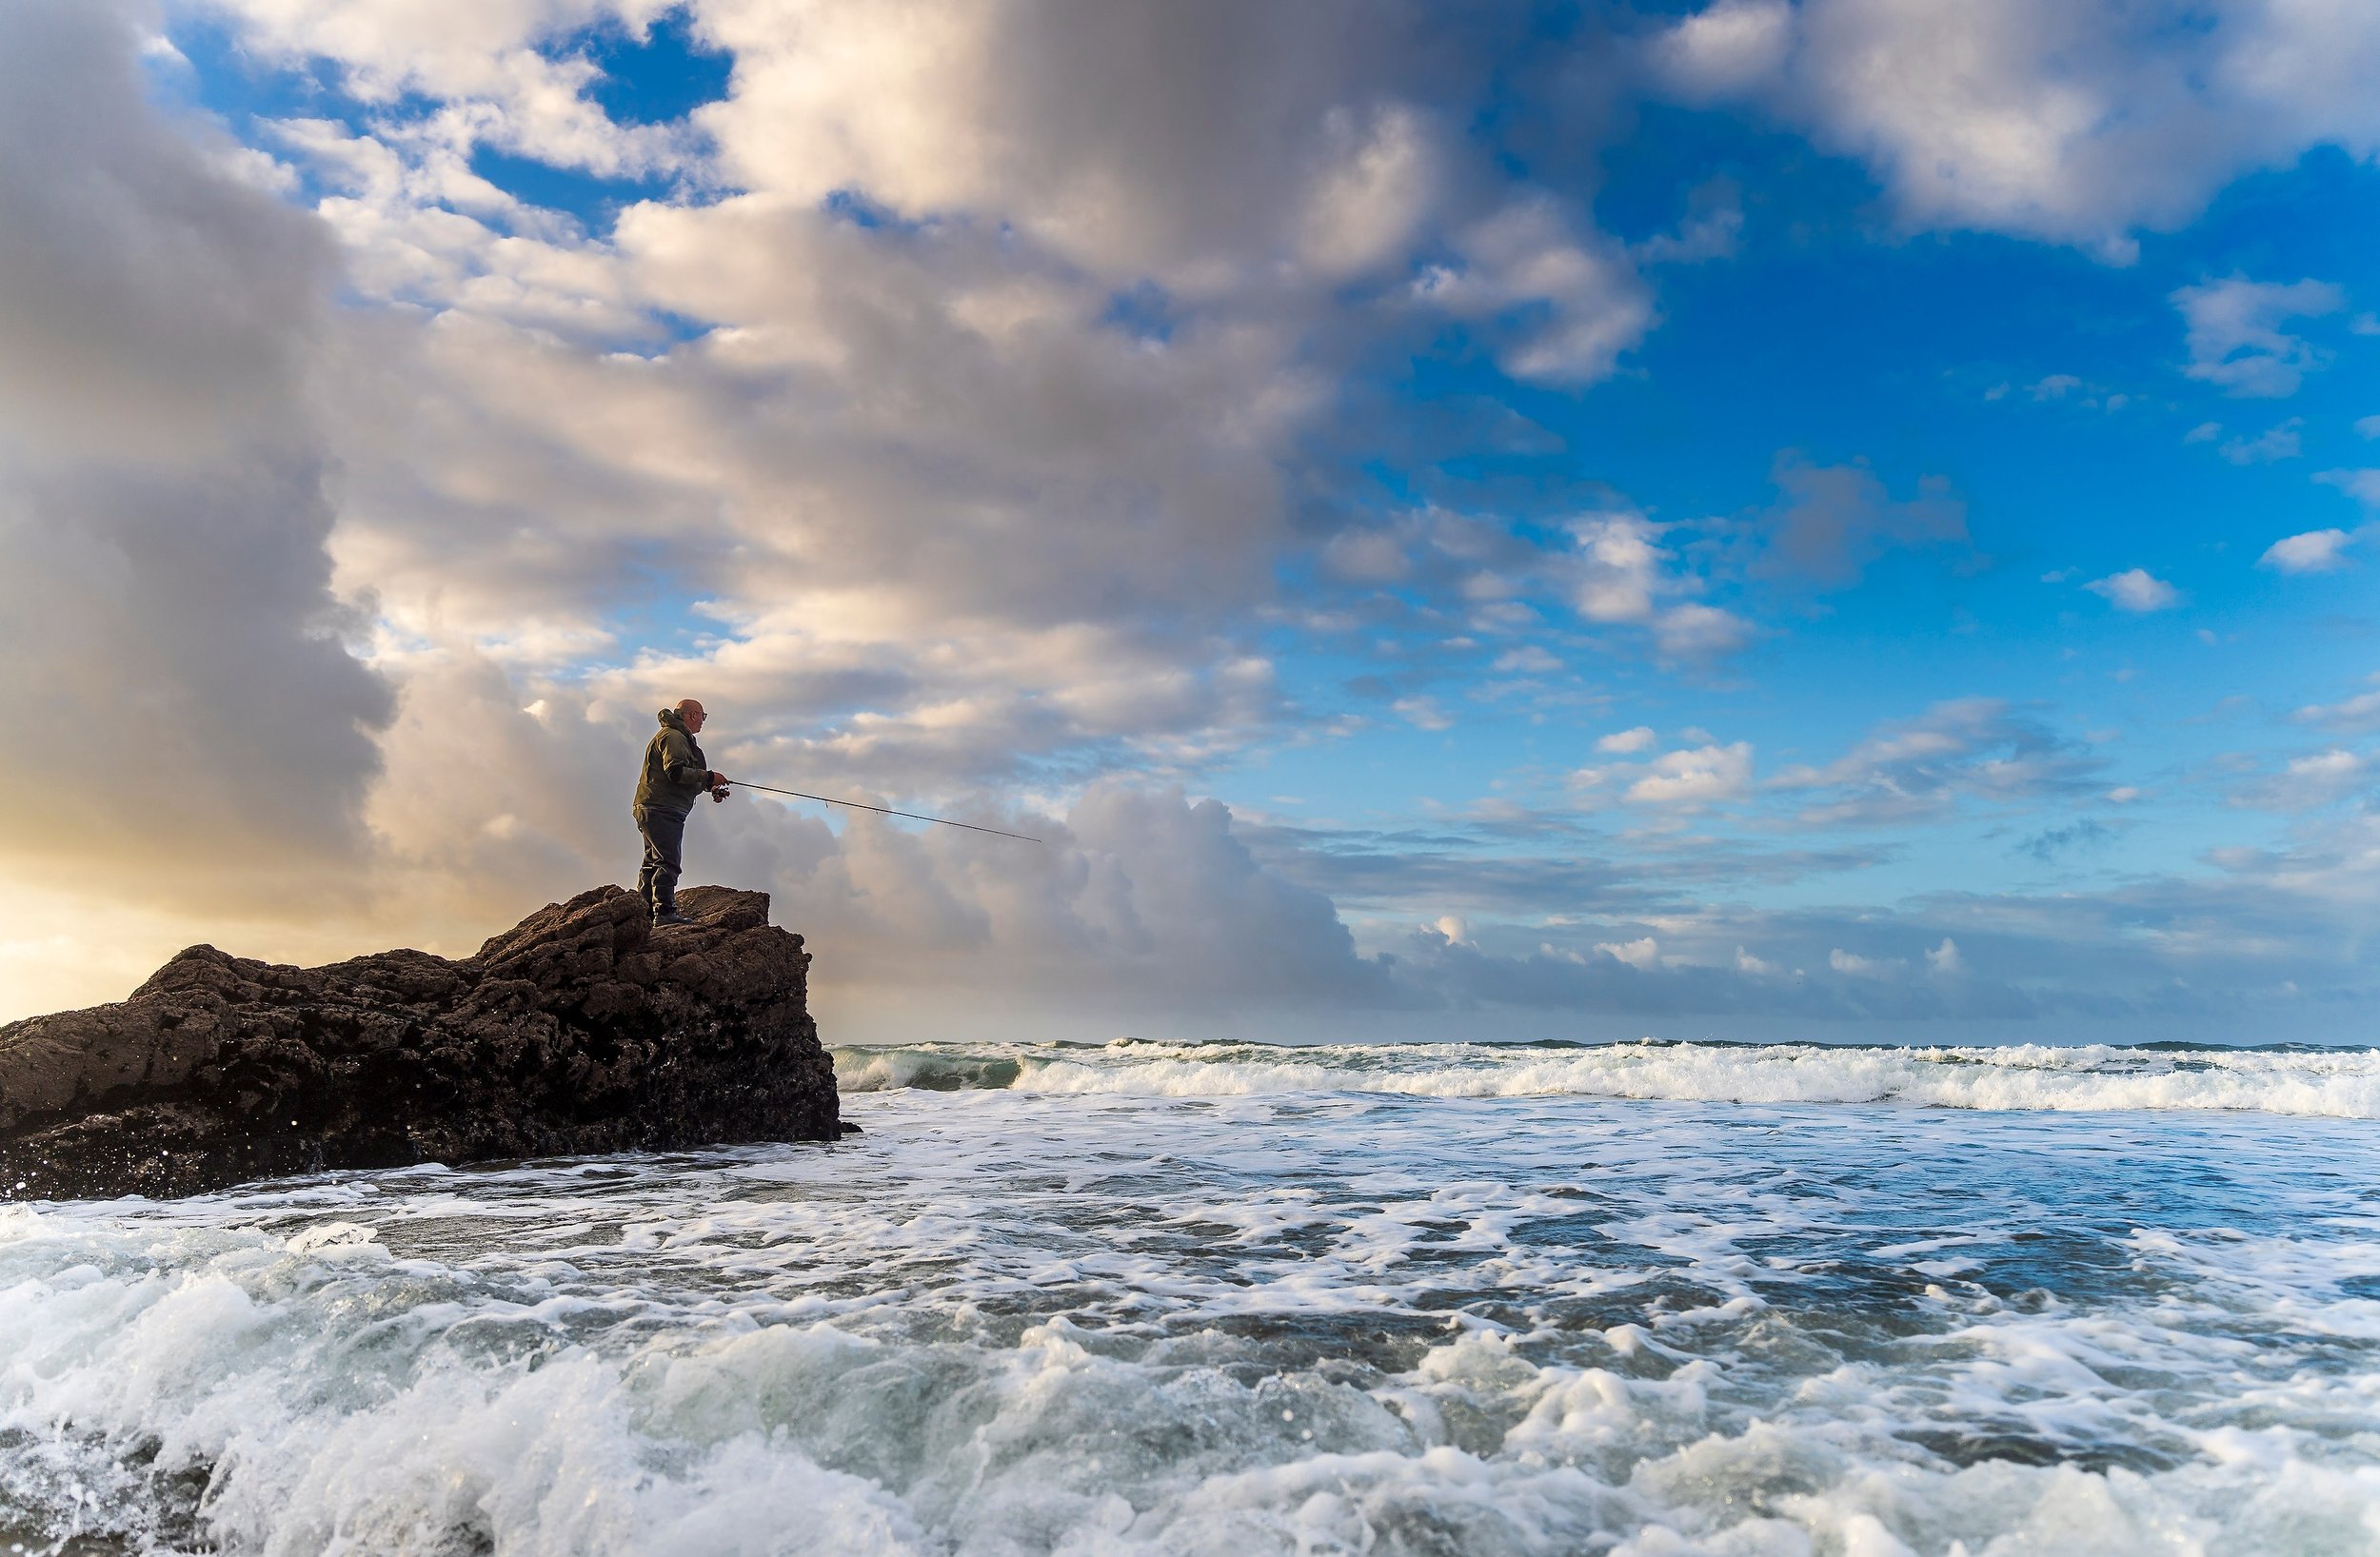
(673, 779)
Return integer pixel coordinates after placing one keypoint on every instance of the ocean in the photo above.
(1634, 1300)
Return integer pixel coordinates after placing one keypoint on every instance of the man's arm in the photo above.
(677, 762)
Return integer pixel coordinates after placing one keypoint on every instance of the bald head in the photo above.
(691, 710)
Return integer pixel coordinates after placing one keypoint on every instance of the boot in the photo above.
(668, 916)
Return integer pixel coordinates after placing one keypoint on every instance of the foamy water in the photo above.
(2338, 1083)
(1146, 1299)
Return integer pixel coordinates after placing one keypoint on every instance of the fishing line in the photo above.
(884, 811)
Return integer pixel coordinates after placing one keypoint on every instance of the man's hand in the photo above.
(719, 787)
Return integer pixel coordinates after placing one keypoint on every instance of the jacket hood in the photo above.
(672, 718)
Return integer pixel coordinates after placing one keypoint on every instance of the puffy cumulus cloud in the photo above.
(489, 71)
(164, 502)
(135, 276)
(1141, 900)
(916, 496)
(1692, 778)
(1143, 892)
(1619, 567)
(2314, 551)
(2079, 123)
(1968, 749)
(1863, 967)
(997, 356)
(1566, 305)
(1179, 141)
(2235, 339)
(2135, 590)
(1651, 580)
(1686, 780)
(1618, 571)
(1832, 521)
(1645, 951)
(1734, 46)
(1622, 742)
(944, 426)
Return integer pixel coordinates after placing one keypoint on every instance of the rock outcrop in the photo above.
(581, 1029)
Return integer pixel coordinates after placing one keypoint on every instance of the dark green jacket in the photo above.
(675, 773)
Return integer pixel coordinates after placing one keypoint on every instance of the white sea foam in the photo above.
(1314, 1320)
(2334, 1083)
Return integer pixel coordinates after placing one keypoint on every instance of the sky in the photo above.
(1851, 521)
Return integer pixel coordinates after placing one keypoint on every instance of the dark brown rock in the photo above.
(580, 1029)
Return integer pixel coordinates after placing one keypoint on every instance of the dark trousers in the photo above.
(664, 856)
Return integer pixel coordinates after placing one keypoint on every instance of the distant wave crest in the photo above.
(2333, 1083)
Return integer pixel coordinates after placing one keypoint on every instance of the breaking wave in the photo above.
(2334, 1083)
(1297, 1322)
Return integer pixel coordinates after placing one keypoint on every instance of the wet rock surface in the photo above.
(581, 1029)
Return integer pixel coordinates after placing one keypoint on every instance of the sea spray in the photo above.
(1395, 1311)
(2333, 1083)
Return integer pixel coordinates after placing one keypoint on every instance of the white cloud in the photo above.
(1176, 141)
(2363, 486)
(1692, 778)
(1945, 959)
(949, 523)
(1375, 189)
(2314, 551)
(1423, 714)
(2135, 590)
(1528, 661)
(1967, 748)
(2359, 714)
(1624, 741)
(2315, 779)
(1374, 556)
(1697, 632)
(2055, 386)
(2076, 121)
(1620, 566)
(2367, 426)
(1862, 967)
(2235, 338)
(1533, 258)
(2279, 442)
(2206, 432)
(1728, 47)
(1644, 955)
(164, 495)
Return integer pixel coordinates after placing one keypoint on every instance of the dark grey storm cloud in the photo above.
(169, 622)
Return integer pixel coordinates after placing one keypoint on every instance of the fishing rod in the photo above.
(882, 811)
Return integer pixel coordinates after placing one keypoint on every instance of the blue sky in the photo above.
(1846, 521)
